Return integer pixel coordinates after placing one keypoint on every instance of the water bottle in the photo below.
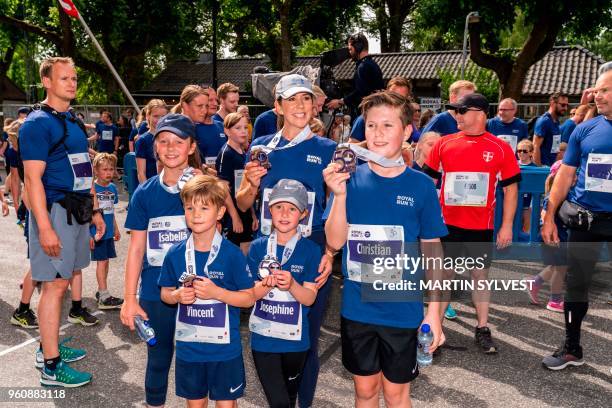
(424, 339)
(145, 331)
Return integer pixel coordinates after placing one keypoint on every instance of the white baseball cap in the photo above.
(292, 84)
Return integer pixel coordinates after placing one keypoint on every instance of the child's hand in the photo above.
(5, 208)
(284, 280)
(92, 244)
(117, 235)
(184, 295)
(206, 289)
(255, 224)
(334, 180)
(237, 226)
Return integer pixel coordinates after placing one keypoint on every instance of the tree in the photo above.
(127, 29)
(277, 27)
(545, 20)
(391, 17)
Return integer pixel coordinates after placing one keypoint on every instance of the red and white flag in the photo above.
(69, 7)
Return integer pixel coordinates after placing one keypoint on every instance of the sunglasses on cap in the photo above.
(463, 110)
(523, 151)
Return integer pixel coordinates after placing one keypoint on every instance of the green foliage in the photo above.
(313, 46)
(486, 81)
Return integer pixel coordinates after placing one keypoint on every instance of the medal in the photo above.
(346, 157)
(268, 266)
(260, 156)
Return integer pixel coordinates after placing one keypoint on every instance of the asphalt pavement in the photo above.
(459, 377)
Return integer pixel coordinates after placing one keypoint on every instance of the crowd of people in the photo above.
(230, 216)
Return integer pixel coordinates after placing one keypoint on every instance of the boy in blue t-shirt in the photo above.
(207, 276)
(104, 166)
(379, 326)
(284, 266)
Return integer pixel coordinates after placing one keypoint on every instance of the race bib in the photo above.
(81, 170)
(277, 315)
(510, 139)
(466, 189)
(238, 175)
(368, 246)
(305, 226)
(106, 202)
(205, 321)
(107, 135)
(556, 143)
(162, 233)
(210, 161)
(598, 176)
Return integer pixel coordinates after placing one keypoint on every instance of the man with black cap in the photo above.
(469, 163)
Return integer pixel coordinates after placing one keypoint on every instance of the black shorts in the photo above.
(247, 233)
(368, 349)
(467, 243)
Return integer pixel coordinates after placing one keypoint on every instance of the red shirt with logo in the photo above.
(471, 167)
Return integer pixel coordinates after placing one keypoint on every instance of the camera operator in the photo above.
(368, 77)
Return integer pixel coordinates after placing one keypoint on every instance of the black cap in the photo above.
(23, 109)
(474, 100)
(176, 123)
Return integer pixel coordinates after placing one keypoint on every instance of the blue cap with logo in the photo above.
(176, 123)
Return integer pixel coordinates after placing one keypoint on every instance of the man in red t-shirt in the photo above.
(471, 163)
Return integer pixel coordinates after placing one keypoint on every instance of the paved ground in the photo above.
(460, 377)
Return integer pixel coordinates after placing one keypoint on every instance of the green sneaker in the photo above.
(64, 376)
(450, 313)
(67, 354)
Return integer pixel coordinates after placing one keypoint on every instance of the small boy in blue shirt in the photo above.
(104, 165)
(207, 276)
(285, 267)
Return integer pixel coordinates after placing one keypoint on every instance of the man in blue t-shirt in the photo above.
(229, 98)
(576, 118)
(506, 126)
(586, 208)
(107, 134)
(445, 123)
(58, 172)
(546, 134)
(265, 124)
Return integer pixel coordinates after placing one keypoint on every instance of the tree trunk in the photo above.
(382, 21)
(5, 64)
(284, 7)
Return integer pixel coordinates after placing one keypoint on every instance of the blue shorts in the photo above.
(219, 380)
(103, 250)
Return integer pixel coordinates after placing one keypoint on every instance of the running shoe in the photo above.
(450, 313)
(26, 319)
(64, 376)
(82, 317)
(532, 291)
(485, 341)
(563, 358)
(110, 302)
(555, 306)
(67, 354)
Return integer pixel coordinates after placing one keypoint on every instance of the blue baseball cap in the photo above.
(176, 123)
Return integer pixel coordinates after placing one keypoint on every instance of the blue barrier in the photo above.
(130, 174)
(532, 182)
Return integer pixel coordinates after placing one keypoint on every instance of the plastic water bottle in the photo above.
(424, 339)
(145, 331)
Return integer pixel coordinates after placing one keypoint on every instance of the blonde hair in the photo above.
(387, 98)
(46, 67)
(205, 189)
(527, 143)
(317, 91)
(456, 86)
(401, 82)
(101, 158)
(13, 132)
(226, 88)
(424, 137)
(190, 92)
(316, 126)
(232, 119)
(155, 104)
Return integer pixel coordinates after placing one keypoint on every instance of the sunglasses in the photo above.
(463, 110)
(523, 151)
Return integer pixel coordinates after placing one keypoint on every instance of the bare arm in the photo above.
(537, 149)
(206, 289)
(504, 236)
(15, 187)
(141, 169)
(133, 268)
(305, 294)
(558, 193)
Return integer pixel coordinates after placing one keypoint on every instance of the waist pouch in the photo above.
(79, 206)
(579, 218)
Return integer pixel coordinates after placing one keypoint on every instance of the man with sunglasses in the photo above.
(469, 163)
(547, 134)
(506, 126)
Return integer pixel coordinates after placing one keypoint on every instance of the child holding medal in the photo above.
(207, 276)
(284, 266)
